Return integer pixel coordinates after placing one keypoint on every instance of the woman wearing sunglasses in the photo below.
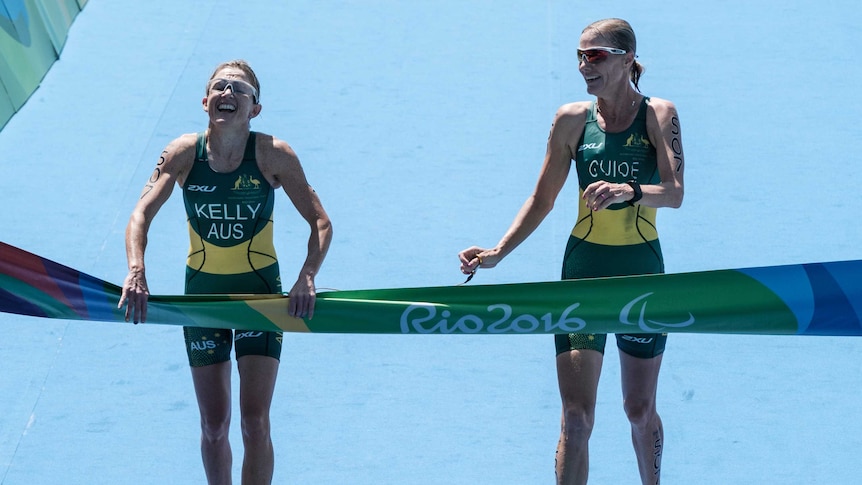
(627, 153)
(228, 175)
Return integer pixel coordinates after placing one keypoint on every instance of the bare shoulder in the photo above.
(662, 119)
(272, 150)
(277, 160)
(661, 108)
(174, 164)
(571, 117)
(179, 154)
(576, 110)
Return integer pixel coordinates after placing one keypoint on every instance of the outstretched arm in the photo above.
(565, 132)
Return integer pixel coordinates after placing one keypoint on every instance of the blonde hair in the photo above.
(242, 66)
(620, 35)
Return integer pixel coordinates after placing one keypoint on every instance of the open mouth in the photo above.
(227, 107)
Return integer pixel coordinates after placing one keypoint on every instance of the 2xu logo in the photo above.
(201, 188)
(422, 318)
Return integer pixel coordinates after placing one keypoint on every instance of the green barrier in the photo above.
(6, 108)
(32, 35)
(798, 299)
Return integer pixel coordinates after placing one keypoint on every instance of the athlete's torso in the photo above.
(230, 227)
(618, 158)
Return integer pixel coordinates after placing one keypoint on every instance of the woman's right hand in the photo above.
(475, 257)
(134, 296)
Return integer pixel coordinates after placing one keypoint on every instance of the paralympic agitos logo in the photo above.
(642, 321)
(423, 318)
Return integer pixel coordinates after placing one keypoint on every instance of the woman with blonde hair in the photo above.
(627, 152)
(228, 175)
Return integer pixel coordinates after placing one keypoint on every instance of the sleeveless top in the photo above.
(618, 158)
(230, 227)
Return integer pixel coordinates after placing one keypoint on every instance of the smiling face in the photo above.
(603, 69)
(231, 97)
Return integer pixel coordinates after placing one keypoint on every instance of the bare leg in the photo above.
(212, 388)
(257, 382)
(578, 373)
(640, 382)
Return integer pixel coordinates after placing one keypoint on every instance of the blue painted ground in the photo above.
(422, 126)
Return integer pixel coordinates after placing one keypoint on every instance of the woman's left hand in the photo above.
(302, 298)
(599, 195)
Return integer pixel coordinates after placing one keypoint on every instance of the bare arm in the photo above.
(171, 168)
(282, 168)
(665, 133)
(565, 132)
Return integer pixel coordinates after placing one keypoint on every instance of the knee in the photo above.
(640, 412)
(578, 422)
(255, 428)
(214, 430)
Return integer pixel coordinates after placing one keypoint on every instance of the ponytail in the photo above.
(635, 73)
(622, 36)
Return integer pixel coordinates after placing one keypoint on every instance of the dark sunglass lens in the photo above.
(595, 55)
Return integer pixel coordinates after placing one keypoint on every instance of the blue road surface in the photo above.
(422, 126)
